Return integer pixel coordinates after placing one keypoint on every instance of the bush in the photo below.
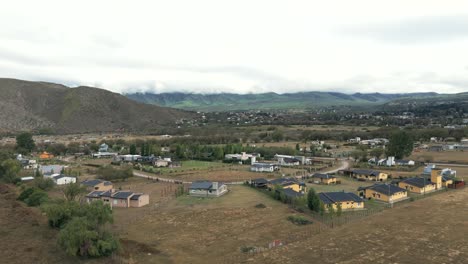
(36, 198)
(247, 249)
(299, 220)
(260, 205)
(44, 184)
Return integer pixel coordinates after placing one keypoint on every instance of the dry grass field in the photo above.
(200, 230)
(442, 156)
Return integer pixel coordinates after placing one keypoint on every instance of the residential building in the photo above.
(63, 179)
(292, 194)
(51, 170)
(207, 189)
(417, 185)
(97, 185)
(370, 175)
(46, 155)
(259, 183)
(323, 178)
(288, 160)
(288, 183)
(346, 200)
(263, 167)
(123, 199)
(242, 157)
(383, 192)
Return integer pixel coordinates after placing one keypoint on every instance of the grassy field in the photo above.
(442, 156)
(194, 230)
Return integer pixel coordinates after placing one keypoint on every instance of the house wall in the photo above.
(142, 201)
(415, 189)
(329, 181)
(294, 187)
(348, 205)
(63, 181)
(206, 193)
(102, 187)
(120, 202)
(382, 197)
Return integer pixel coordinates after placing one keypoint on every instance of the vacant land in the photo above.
(416, 232)
(442, 156)
(203, 230)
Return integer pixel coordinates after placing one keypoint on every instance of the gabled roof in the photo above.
(262, 165)
(122, 195)
(95, 182)
(62, 176)
(95, 194)
(322, 176)
(204, 185)
(291, 160)
(291, 193)
(260, 180)
(136, 196)
(366, 172)
(282, 181)
(334, 197)
(386, 189)
(418, 182)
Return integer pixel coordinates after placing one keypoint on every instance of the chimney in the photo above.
(436, 178)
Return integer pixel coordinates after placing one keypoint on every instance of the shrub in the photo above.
(260, 205)
(36, 198)
(44, 184)
(247, 249)
(299, 220)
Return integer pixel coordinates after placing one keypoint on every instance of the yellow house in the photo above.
(348, 201)
(383, 192)
(369, 175)
(417, 185)
(323, 178)
(288, 184)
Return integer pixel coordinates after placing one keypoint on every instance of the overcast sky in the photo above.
(239, 46)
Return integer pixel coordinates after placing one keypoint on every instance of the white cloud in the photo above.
(238, 46)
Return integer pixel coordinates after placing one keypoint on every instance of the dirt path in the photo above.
(344, 166)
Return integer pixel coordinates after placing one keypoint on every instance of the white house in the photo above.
(263, 167)
(207, 189)
(63, 179)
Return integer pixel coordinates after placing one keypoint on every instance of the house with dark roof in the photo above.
(369, 175)
(207, 189)
(348, 201)
(123, 199)
(417, 185)
(323, 178)
(97, 185)
(259, 183)
(383, 192)
(288, 183)
(290, 193)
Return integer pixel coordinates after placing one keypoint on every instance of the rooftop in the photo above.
(333, 197)
(418, 182)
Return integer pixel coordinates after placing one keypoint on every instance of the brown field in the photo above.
(198, 230)
(443, 156)
(431, 230)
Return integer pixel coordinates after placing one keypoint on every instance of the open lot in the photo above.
(200, 230)
(442, 156)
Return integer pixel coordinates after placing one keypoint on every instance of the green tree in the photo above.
(331, 210)
(339, 209)
(218, 153)
(73, 191)
(313, 200)
(277, 135)
(298, 148)
(9, 170)
(376, 152)
(44, 184)
(25, 143)
(37, 198)
(400, 145)
(133, 149)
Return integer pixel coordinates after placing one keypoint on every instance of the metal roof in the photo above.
(333, 197)
(366, 172)
(386, 189)
(322, 176)
(205, 185)
(122, 195)
(291, 193)
(418, 182)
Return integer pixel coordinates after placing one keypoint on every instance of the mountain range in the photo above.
(302, 100)
(26, 105)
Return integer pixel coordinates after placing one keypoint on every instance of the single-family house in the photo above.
(63, 179)
(288, 183)
(160, 163)
(51, 170)
(97, 185)
(123, 199)
(263, 167)
(346, 200)
(417, 185)
(46, 155)
(384, 192)
(370, 175)
(290, 162)
(404, 162)
(207, 189)
(323, 178)
(292, 194)
(103, 147)
(259, 183)
(436, 148)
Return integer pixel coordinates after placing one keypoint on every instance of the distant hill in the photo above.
(28, 105)
(303, 100)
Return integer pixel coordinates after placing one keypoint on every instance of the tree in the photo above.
(72, 191)
(33, 196)
(277, 135)
(44, 184)
(298, 148)
(313, 200)
(357, 154)
(400, 145)
(133, 149)
(331, 210)
(9, 170)
(25, 143)
(377, 152)
(339, 209)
